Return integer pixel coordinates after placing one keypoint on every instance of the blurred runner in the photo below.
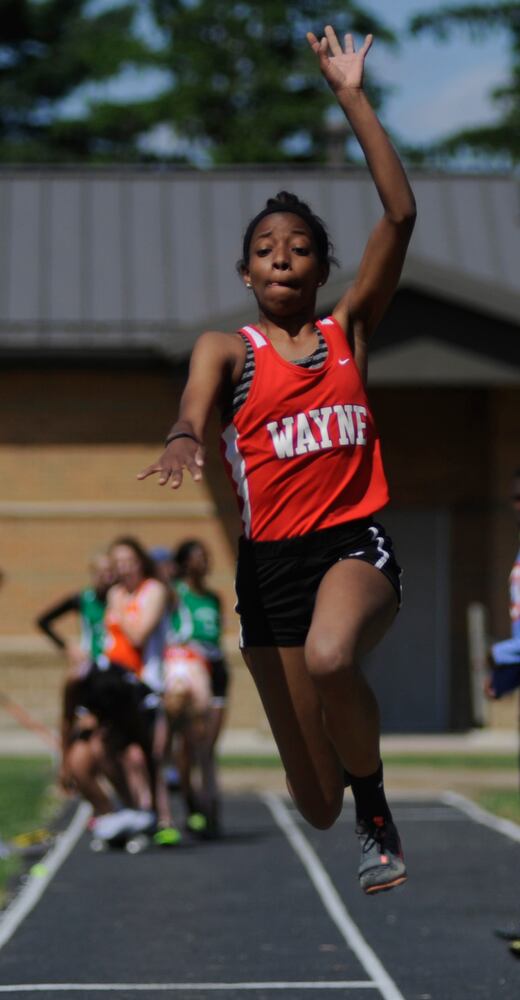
(123, 686)
(197, 625)
(83, 759)
(89, 605)
(166, 566)
(187, 701)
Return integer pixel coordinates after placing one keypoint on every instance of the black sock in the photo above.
(369, 796)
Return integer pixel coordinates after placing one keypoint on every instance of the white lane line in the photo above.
(185, 987)
(36, 885)
(506, 826)
(331, 899)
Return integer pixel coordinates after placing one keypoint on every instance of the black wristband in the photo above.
(180, 434)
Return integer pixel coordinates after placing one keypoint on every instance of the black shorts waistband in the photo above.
(309, 544)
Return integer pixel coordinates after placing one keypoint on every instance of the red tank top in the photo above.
(303, 452)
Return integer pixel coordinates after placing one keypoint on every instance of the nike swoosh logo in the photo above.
(344, 361)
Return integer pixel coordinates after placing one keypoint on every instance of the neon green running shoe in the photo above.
(167, 836)
(197, 823)
(514, 948)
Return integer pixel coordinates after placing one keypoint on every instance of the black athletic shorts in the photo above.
(219, 680)
(124, 705)
(277, 582)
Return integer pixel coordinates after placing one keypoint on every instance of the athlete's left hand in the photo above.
(343, 70)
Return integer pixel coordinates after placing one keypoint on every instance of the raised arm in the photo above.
(216, 361)
(363, 305)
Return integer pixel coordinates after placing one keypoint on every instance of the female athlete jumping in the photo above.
(317, 581)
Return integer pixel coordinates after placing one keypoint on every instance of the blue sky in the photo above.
(438, 87)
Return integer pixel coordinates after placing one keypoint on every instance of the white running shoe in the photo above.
(122, 823)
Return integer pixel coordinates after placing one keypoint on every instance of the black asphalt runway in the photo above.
(274, 910)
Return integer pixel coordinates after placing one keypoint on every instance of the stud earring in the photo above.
(248, 284)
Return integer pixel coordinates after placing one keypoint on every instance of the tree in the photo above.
(245, 86)
(502, 137)
(49, 49)
(243, 83)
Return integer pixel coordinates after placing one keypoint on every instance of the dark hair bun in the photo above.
(288, 201)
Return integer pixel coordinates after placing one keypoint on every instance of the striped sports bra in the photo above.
(241, 390)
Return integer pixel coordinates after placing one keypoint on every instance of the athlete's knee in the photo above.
(320, 810)
(328, 659)
(320, 814)
(322, 819)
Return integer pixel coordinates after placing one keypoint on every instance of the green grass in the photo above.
(27, 803)
(243, 760)
(481, 762)
(501, 802)
(471, 762)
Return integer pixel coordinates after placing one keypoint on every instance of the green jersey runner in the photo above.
(197, 617)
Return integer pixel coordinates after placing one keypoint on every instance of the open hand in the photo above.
(343, 70)
(183, 453)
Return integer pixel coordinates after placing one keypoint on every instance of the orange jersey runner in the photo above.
(118, 647)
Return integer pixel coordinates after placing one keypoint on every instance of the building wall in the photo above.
(70, 454)
(436, 447)
(72, 440)
(455, 448)
(71, 443)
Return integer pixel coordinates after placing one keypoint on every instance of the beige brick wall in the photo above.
(72, 441)
(71, 444)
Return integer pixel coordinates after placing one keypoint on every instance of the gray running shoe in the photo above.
(382, 864)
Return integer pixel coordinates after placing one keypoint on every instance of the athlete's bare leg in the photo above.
(216, 720)
(110, 767)
(293, 707)
(83, 765)
(201, 748)
(161, 743)
(355, 606)
(137, 774)
(322, 712)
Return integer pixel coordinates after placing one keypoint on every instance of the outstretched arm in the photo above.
(363, 305)
(216, 358)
